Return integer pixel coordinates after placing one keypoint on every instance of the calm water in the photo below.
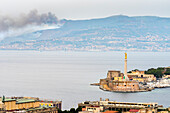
(66, 75)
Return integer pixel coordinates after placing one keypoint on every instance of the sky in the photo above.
(87, 9)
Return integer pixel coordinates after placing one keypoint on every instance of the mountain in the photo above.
(115, 33)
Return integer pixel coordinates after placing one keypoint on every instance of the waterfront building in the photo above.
(44, 103)
(141, 76)
(2, 106)
(112, 74)
(166, 77)
(123, 107)
(94, 109)
(139, 79)
(24, 104)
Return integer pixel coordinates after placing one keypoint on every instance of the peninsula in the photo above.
(134, 81)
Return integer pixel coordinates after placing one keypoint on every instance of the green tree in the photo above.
(158, 73)
(78, 109)
(72, 110)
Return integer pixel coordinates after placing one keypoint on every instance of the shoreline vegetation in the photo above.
(157, 72)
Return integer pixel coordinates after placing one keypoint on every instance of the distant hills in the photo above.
(115, 33)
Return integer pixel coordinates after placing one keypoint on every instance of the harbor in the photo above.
(134, 81)
(58, 74)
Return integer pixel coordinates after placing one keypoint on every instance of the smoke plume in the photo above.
(27, 23)
(24, 20)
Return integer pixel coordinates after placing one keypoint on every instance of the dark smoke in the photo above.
(24, 20)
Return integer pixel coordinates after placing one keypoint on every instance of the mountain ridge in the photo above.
(114, 33)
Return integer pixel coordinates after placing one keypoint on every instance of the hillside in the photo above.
(115, 33)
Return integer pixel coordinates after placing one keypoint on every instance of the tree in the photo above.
(158, 73)
(72, 110)
(78, 109)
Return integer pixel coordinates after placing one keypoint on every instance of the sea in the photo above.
(66, 76)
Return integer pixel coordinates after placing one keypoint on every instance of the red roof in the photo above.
(133, 110)
(110, 112)
(83, 109)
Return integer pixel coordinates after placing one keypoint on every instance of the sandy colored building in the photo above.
(44, 103)
(124, 86)
(136, 75)
(2, 106)
(123, 107)
(166, 77)
(111, 74)
(24, 104)
(118, 78)
(18, 104)
(94, 109)
(139, 75)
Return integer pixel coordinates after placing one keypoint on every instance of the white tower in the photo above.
(125, 69)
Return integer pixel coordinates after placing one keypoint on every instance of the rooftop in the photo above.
(25, 100)
(19, 100)
(8, 99)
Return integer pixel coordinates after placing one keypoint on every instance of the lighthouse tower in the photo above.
(125, 69)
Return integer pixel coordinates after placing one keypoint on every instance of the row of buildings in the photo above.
(136, 75)
(28, 105)
(106, 106)
(35, 105)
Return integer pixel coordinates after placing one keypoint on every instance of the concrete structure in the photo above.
(124, 86)
(125, 68)
(123, 107)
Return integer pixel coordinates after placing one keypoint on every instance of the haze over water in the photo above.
(67, 76)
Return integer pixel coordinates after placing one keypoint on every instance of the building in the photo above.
(44, 103)
(94, 109)
(166, 77)
(25, 104)
(123, 107)
(124, 86)
(112, 74)
(20, 104)
(140, 79)
(2, 106)
(139, 75)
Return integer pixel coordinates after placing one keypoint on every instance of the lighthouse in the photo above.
(125, 69)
